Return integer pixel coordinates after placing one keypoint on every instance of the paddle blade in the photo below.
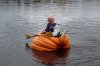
(28, 36)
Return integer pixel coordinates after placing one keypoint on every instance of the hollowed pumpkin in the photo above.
(43, 43)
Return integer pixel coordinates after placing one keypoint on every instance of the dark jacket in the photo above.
(50, 27)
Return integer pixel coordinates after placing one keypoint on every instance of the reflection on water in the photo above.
(52, 58)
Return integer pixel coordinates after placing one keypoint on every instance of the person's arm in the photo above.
(42, 31)
(56, 30)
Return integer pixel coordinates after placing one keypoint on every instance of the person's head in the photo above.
(51, 19)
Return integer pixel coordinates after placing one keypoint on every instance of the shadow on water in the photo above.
(51, 58)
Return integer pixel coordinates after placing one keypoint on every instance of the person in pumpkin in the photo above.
(51, 27)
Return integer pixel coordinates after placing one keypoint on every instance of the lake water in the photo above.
(81, 18)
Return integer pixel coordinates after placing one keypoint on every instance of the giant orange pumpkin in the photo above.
(44, 43)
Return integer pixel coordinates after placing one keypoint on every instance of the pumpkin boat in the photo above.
(48, 43)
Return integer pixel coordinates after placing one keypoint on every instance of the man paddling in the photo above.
(51, 27)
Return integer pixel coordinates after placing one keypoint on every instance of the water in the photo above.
(81, 18)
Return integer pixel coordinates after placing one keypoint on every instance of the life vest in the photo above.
(50, 27)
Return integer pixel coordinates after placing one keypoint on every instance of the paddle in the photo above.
(28, 36)
(49, 34)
